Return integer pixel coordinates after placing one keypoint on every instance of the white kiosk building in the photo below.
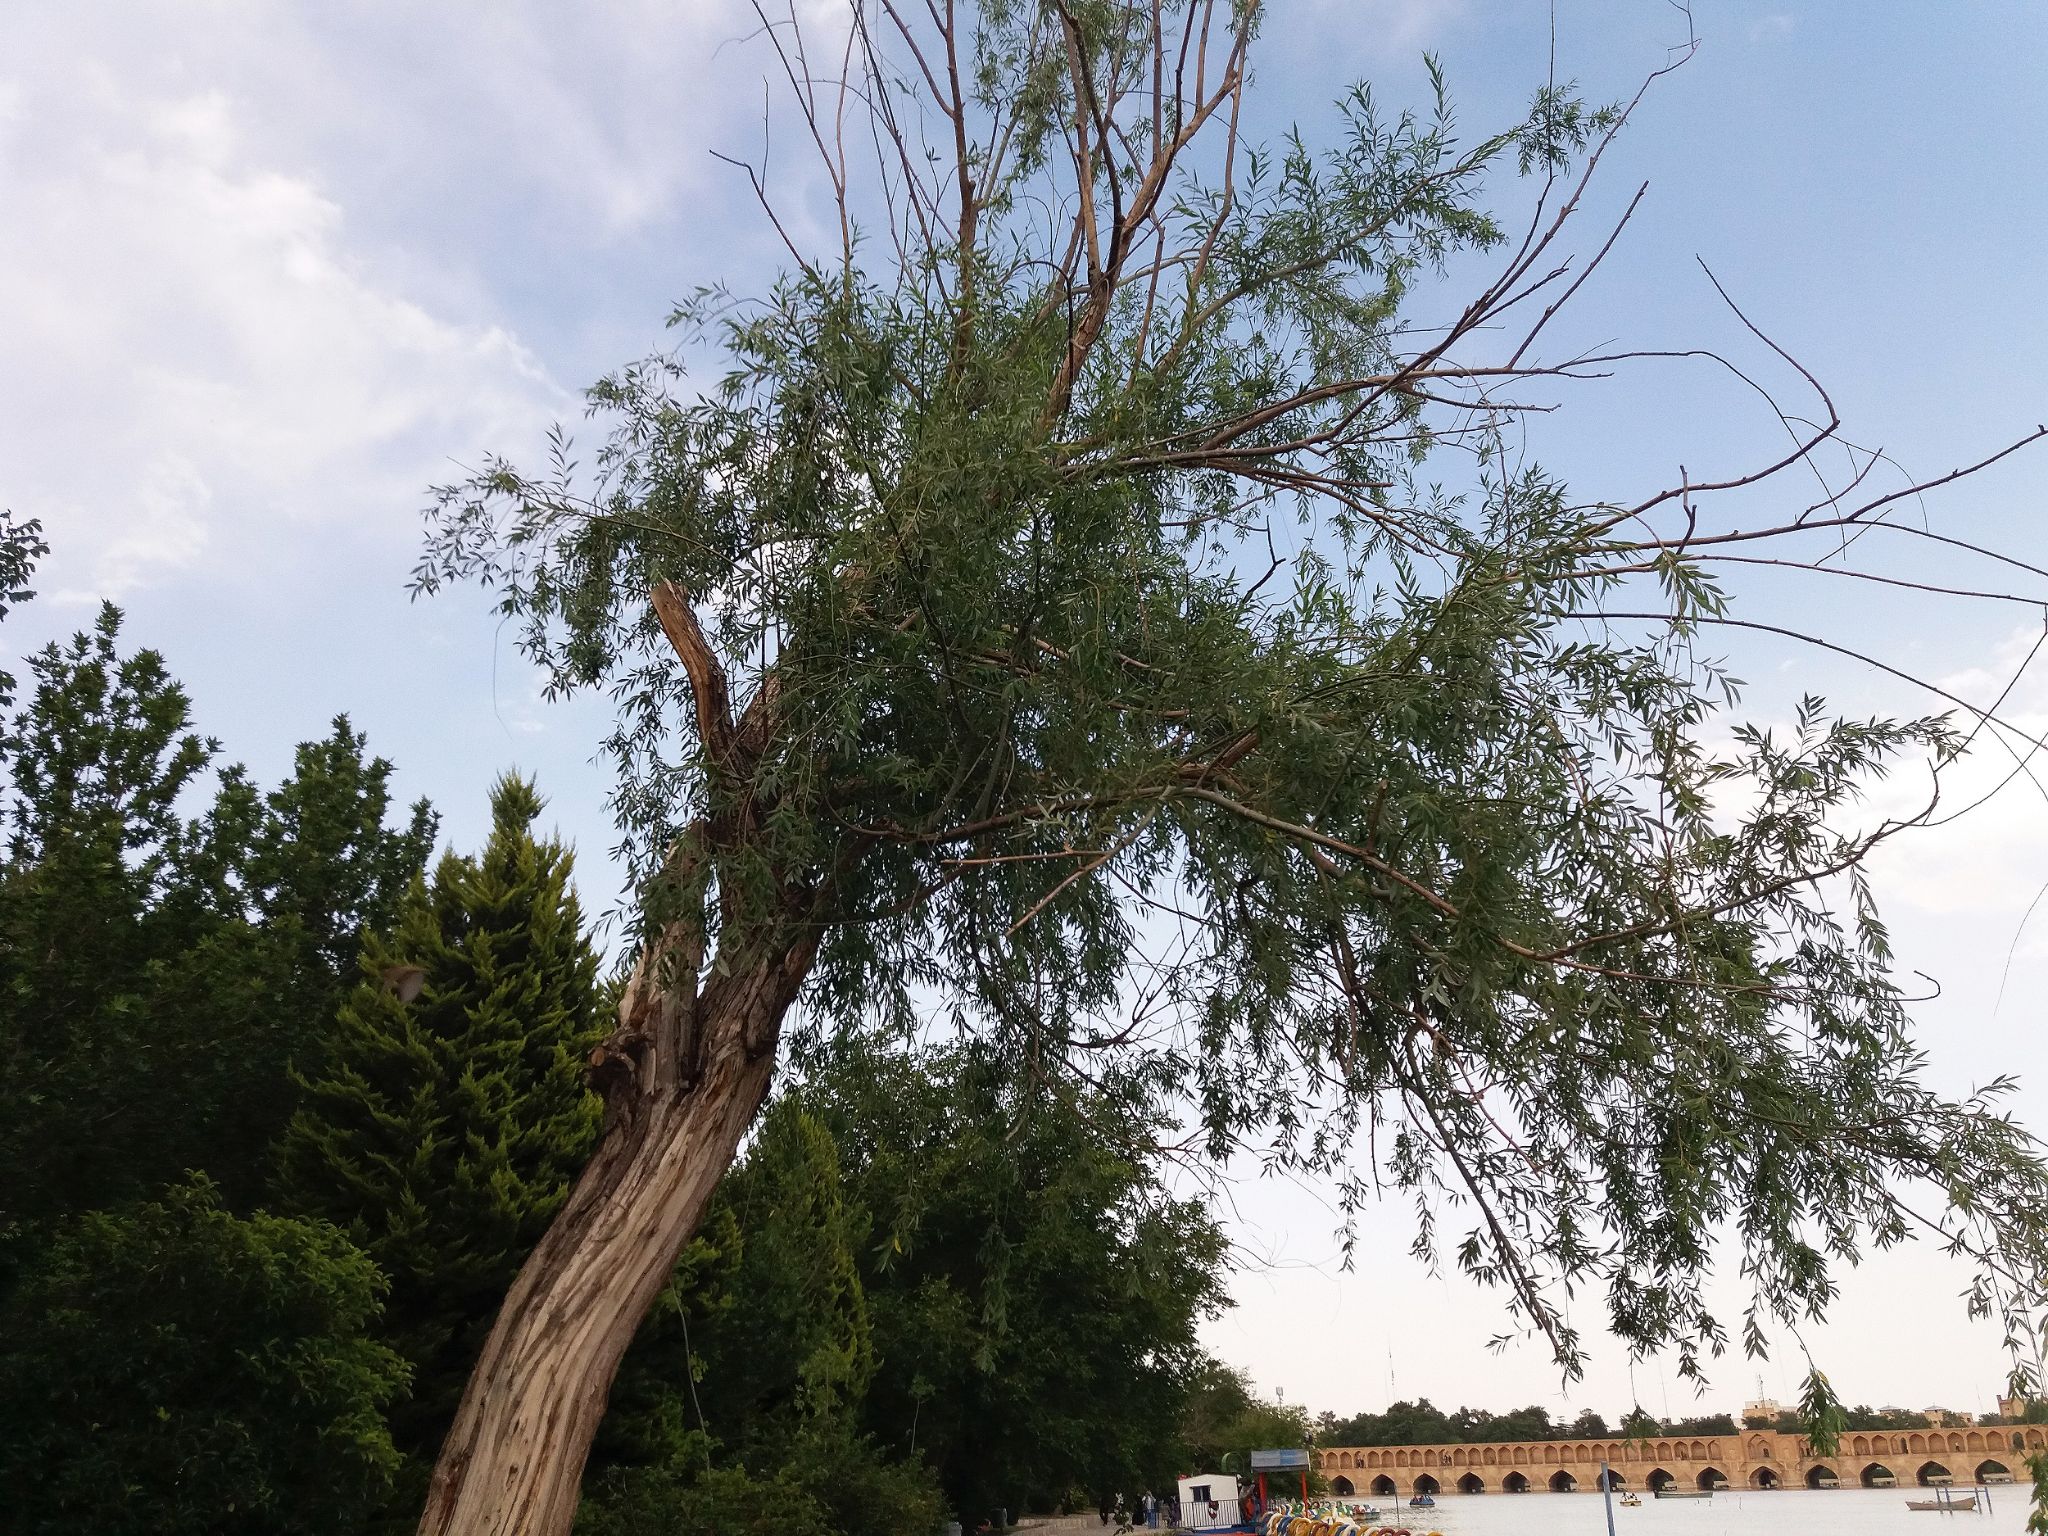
(1208, 1501)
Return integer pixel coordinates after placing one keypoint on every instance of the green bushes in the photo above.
(174, 1368)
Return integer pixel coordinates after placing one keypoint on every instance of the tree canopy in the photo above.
(163, 969)
(923, 1287)
(1099, 604)
(175, 1368)
(1035, 1289)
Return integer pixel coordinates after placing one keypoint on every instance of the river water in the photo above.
(1789, 1512)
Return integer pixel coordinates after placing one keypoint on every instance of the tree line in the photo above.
(286, 1097)
(1423, 1423)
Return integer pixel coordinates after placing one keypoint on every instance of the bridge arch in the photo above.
(1341, 1487)
(1955, 1442)
(1993, 1471)
(1514, 1482)
(1458, 1457)
(1611, 1479)
(1976, 1442)
(1765, 1477)
(1711, 1478)
(1878, 1475)
(1471, 1482)
(1916, 1442)
(1931, 1473)
(1383, 1487)
(1522, 1457)
(1425, 1484)
(1658, 1480)
(1490, 1456)
(1562, 1481)
(1820, 1475)
(1860, 1445)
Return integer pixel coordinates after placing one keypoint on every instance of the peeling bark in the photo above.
(686, 1073)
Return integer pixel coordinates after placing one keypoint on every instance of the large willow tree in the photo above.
(1094, 605)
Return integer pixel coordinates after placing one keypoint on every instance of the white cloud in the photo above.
(242, 287)
(200, 359)
(1989, 861)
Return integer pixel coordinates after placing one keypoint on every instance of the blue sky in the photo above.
(268, 271)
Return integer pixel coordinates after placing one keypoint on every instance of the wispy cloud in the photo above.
(240, 281)
(200, 358)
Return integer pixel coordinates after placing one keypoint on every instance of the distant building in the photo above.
(1761, 1408)
(2012, 1409)
(1941, 1418)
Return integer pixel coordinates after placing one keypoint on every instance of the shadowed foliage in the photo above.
(176, 1369)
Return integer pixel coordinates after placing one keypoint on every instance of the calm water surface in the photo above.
(1843, 1512)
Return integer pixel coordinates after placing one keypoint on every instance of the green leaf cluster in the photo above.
(161, 970)
(1036, 1291)
(175, 1368)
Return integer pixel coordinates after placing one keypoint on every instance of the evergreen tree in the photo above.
(21, 546)
(321, 874)
(447, 1110)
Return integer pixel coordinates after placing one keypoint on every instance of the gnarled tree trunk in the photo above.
(684, 1075)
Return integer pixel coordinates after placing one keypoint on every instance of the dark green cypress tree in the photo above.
(448, 1112)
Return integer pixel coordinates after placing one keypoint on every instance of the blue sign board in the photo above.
(1274, 1461)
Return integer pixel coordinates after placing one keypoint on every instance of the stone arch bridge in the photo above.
(1754, 1458)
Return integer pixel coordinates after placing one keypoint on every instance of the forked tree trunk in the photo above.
(685, 1074)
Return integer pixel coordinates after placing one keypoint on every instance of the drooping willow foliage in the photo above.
(1128, 639)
